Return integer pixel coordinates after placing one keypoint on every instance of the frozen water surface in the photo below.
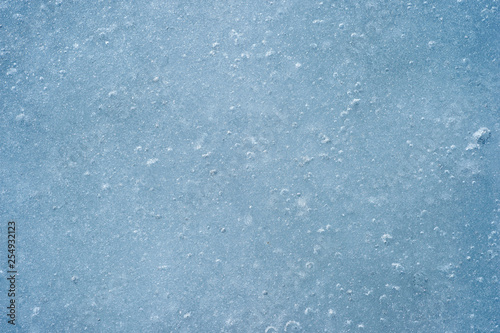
(253, 166)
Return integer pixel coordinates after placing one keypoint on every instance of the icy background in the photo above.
(252, 166)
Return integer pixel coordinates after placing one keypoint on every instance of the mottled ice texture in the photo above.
(251, 166)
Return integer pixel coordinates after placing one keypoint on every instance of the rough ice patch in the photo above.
(479, 138)
(482, 135)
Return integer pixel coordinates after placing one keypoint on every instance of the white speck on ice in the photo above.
(291, 324)
(151, 161)
(385, 238)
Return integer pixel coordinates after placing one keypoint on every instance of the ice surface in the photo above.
(251, 166)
